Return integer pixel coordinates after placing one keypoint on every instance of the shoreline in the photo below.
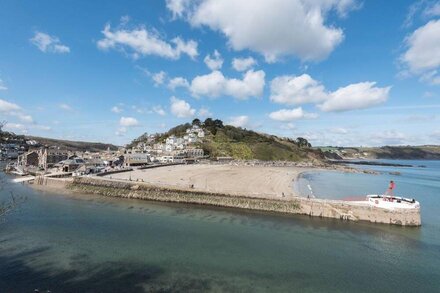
(324, 208)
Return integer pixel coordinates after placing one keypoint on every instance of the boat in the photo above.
(392, 202)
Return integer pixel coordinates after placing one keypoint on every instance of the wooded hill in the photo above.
(243, 144)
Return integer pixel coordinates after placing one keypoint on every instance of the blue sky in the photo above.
(338, 72)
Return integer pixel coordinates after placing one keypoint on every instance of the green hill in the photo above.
(243, 144)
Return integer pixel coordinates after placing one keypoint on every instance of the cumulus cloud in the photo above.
(3, 86)
(239, 121)
(48, 44)
(422, 56)
(14, 110)
(142, 42)
(6, 107)
(204, 113)
(214, 62)
(273, 28)
(181, 108)
(295, 90)
(159, 78)
(303, 89)
(286, 115)
(177, 7)
(178, 82)
(128, 122)
(159, 110)
(215, 84)
(243, 64)
(355, 96)
(116, 109)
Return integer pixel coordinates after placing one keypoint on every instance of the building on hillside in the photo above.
(49, 157)
(136, 159)
(69, 165)
(31, 158)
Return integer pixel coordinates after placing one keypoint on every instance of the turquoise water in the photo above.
(83, 243)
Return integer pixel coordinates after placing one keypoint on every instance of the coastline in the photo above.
(337, 209)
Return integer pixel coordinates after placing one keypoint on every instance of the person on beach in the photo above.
(390, 190)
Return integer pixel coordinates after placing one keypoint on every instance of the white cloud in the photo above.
(239, 121)
(6, 106)
(116, 109)
(423, 54)
(273, 28)
(159, 78)
(215, 84)
(181, 108)
(142, 42)
(3, 86)
(128, 122)
(286, 115)
(25, 118)
(159, 110)
(14, 110)
(243, 64)
(338, 130)
(204, 113)
(25, 128)
(48, 43)
(178, 82)
(303, 89)
(215, 62)
(288, 126)
(433, 10)
(355, 96)
(66, 107)
(295, 90)
(121, 131)
(389, 137)
(177, 7)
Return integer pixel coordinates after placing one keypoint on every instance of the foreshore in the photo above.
(245, 187)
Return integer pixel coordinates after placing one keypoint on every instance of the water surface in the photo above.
(83, 243)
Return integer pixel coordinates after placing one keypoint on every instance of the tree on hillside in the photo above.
(213, 125)
(303, 143)
(197, 122)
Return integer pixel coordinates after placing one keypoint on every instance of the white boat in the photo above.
(392, 202)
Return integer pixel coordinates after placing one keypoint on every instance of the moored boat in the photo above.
(392, 202)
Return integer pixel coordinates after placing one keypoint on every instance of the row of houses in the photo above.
(178, 156)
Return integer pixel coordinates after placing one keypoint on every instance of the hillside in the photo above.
(74, 145)
(226, 140)
(10, 137)
(424, 152)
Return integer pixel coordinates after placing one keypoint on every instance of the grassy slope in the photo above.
(247, 145)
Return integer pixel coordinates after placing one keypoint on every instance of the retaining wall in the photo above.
(343, 210)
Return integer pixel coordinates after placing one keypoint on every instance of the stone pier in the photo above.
(343, 210)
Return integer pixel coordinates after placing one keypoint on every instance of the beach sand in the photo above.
(254, 181)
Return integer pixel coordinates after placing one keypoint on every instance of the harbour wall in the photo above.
(343, 210)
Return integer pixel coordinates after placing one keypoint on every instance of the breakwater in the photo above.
(337, 209)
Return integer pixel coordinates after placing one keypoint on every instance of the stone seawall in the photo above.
(52, 181)
(313, 207)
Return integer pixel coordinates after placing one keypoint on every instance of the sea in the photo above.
(61, 242)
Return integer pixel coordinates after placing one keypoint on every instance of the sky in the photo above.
(337, 72)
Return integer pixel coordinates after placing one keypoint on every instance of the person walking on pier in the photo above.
(390, 190)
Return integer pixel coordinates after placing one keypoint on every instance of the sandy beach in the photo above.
(254, 181)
